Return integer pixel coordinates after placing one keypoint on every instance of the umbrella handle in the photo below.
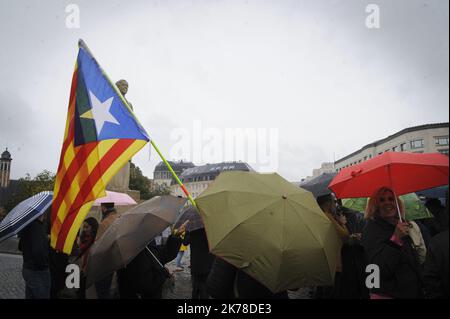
(154, 257)
(395, 195)
(398, 207)
(162, 266)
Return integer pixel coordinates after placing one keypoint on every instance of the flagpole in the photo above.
(83, 45)
(174, 175)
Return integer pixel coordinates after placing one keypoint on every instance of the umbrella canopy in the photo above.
(129, 234)
(319, 185)
(436, 192)
(195, 220)
(403, 172)
(119, 199)
(357, 204)
(24, 213)
(269, 228)
(414, 208)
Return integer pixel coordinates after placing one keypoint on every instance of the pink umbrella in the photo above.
(119, 199)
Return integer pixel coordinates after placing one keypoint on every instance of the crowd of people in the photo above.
(412, 257)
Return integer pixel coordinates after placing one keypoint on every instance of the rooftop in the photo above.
(6, 154)
(215, 169)
(176, 165)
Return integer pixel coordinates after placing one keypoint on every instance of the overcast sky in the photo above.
(312, 70)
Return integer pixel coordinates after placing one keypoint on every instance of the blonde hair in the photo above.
(374, 203)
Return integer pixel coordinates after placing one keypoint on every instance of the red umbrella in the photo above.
(402, 172)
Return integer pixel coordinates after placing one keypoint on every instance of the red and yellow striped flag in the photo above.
(101, 135)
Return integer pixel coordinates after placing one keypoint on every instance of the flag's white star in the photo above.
(100, 112)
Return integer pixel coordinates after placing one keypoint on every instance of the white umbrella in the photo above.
(24, 213)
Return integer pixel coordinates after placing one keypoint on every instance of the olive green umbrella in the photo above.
(414, 208)
(269, 228)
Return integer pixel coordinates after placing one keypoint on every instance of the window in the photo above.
(442, 140)
(395, 149)
(359, 161)
(417, 144)
(403, 147)
(370, 155)
(380, 153)
(365, 158)
(444, 151)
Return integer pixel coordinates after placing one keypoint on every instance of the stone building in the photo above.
(428, 138)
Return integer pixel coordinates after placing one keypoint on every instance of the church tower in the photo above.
(5, 168)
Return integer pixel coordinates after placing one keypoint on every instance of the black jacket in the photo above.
(221, 279)
(34, 245)
(436, 270)
(58, 264)
(201, 259)
(399, 272)
(350, 283)
(143, 275)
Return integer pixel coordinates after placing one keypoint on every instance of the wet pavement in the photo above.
(12, 285)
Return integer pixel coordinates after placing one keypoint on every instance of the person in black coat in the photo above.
(436, 267)
(440, 221)
(144, 276)
(201, 262)
(58, 264)
(388, 246)
(351, 282)
(227, 282)
(34, 244)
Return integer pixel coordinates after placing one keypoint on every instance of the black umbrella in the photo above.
(195, 221)
(319, 185)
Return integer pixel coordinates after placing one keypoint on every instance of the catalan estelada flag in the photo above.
(101, 135)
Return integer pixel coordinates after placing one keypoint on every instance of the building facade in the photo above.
(163, 177)
(428, 138)
(197, 179)
(326, 167)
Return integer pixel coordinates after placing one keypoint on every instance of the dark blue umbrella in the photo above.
(24, 213)
(437, 192)
(319, 185)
